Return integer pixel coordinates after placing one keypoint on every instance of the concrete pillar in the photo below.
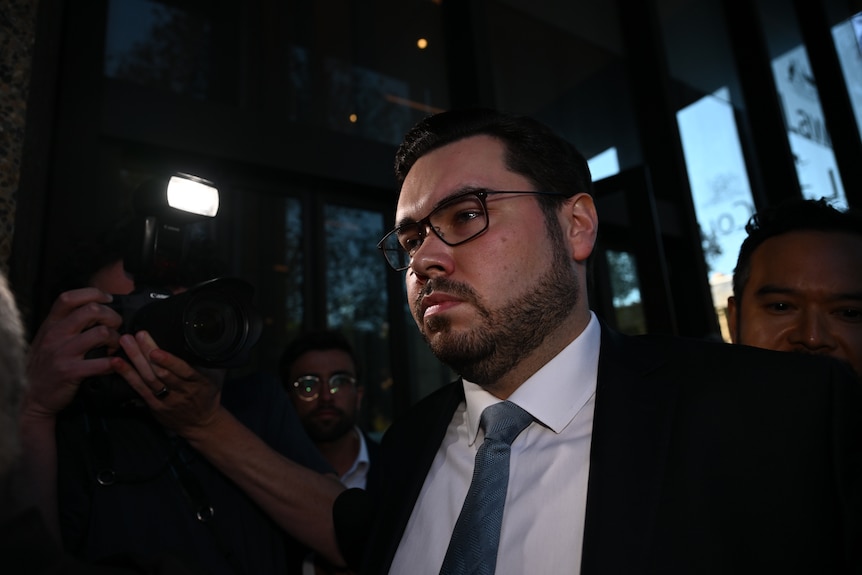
(17, 38)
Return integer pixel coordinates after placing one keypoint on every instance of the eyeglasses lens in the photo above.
(454, 222)
(308, 386)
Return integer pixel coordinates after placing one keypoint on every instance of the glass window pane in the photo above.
(848, 44)
(174, 49)
(357, 303)
(719, 187)
(291, 266)
(625, 288)
(803, 115)
(806, 129)
(604, 164)
(709, 105)
(367, 69)
(561, 62)
(262, 237)
(356, 295)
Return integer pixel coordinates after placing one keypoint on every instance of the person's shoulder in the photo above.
(428, 413)
(735, 362)
(445, 398)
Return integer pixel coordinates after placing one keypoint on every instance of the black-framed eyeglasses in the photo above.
(457, 220)
(307, 387)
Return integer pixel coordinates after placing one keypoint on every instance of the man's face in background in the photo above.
(804, 294)
(328, 416)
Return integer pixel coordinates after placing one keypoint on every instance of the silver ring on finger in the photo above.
(162, 393)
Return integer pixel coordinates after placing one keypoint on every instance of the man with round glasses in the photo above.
(319, 371)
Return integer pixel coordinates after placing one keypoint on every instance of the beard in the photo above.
(329, 430)
(502, 337)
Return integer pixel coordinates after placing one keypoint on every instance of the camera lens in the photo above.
(213, 329)
(213, 324)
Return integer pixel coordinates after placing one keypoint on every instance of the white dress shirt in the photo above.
(357, 475)
(543, 519)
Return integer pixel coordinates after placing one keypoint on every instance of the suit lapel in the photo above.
(631, 433)
(407, 455)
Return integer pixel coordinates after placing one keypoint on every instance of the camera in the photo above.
(212, 324)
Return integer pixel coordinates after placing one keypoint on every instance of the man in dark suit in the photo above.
(643, 454)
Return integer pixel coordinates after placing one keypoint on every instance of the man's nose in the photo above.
(433, 257)
(325, 395)
(812, 331)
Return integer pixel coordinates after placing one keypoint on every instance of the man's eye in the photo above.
(851, 314)
(410, 244)
(465, 216)
(778, 306)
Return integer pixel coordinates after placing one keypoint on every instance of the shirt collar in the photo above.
(362, 459)
(556, 393)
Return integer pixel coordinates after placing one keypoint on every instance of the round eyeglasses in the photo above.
(307, 387)
(456, 220)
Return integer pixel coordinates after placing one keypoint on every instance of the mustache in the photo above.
(457, 289)
(318, 410)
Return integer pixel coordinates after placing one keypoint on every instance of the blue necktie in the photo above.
(473, 547)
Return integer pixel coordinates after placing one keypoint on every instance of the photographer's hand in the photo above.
(179, 396)
(298, 499)
(56, 366)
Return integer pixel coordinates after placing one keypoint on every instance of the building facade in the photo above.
(693, 113)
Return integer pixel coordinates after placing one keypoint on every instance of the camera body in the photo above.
(211, 325)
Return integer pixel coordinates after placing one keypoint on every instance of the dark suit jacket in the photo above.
(372, 480)
(705, 458)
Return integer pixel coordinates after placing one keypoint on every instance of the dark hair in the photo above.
(791, 216)
(318, 340)
(532, 149)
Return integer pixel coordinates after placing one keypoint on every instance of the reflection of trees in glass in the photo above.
(356, 301)
(293, 263)
(299, 95)
(373, 97)
(356, 287)
(626, 292)
(173, 51)
(711, 247)
(624, 277)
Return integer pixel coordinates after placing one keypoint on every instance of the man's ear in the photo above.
(581, 225)
(731, 318)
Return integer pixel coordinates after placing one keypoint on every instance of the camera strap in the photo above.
(190, 485)
(177, 462)
(103, 456)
